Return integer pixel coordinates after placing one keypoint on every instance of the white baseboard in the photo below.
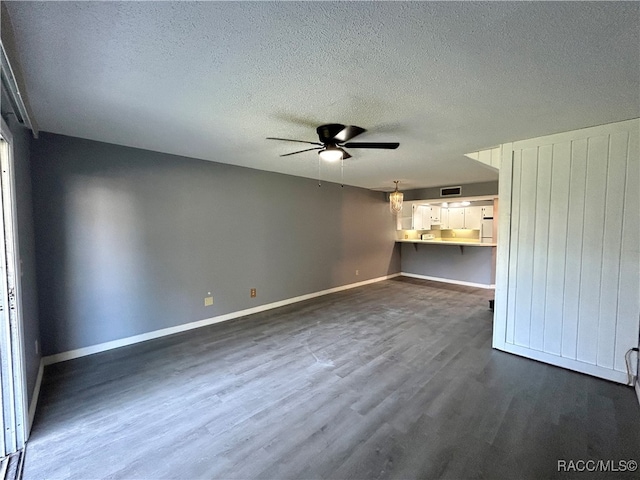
(36, 394)
(448, 280)
(568, 363)
(102, 347)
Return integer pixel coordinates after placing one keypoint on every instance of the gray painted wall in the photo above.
(473, 264)
(26, 249)
(130, 241)
(469, 190)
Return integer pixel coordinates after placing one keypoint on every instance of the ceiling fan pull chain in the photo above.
(319, 184)
(342, 173)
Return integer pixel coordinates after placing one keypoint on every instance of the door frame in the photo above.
(14, 416)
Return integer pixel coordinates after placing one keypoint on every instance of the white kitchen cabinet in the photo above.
(404, 222)
(426, 218)
(404, 219)
(421, 217)
(416, 217)
(435, 215)
(459, 218)
(473, 218)
(487, 212)
(444, 218)
(456, 218)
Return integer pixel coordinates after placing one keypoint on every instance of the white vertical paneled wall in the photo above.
(567, 286)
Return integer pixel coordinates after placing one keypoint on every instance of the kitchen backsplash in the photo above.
(447, 234)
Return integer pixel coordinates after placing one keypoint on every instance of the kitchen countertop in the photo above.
(462, 243)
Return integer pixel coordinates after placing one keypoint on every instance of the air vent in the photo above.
(451, 191)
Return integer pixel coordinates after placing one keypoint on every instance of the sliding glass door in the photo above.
(13, 414)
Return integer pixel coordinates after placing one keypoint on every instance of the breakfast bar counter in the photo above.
(437, 241)
(451, 260)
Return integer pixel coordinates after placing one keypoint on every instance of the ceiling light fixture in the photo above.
(395, 199)
(331, 153)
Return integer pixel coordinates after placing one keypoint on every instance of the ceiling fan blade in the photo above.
(348, 132)
(298, 120)
(291, 140)
(300, 151)
(385, 145)
(345, 154)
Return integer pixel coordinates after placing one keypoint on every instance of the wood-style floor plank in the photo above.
(391, 380)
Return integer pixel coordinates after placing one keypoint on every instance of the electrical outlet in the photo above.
(37, 347)
(208, 301)
(357, 272)
(253, 293)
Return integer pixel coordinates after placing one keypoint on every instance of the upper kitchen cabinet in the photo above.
(473, 217)
(421, 217)
(444, 218)
(426, 216)
(464, 213)
(462, 217)
(456, 218)
(436, 212)
(405, 217)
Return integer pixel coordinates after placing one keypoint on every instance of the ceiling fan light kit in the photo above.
(331, 154)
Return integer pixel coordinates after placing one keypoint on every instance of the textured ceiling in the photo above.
(211, 80)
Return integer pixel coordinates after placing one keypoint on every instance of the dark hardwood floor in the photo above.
(392, 380)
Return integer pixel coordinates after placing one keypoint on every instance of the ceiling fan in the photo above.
(334, 138)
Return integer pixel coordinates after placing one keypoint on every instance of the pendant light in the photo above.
(395, 199)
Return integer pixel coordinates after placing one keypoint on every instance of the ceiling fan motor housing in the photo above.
(326, 133)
